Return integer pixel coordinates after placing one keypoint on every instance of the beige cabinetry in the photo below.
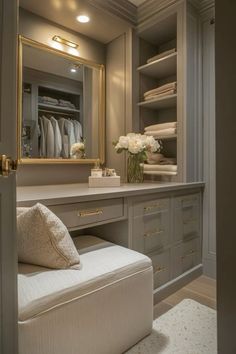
(168, 230)
(162, 221)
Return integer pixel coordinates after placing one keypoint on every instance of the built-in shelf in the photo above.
(57, 108)
(160, 68)
(160, 103)
(167, 137)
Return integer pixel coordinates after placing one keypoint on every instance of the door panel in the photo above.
(8, 254)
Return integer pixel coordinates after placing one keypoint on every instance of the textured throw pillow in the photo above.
(44, 240)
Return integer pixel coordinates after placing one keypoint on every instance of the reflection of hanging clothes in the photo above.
(68, 137)
(78, 131)
(48, 138)
(42, 151)
(57, 138)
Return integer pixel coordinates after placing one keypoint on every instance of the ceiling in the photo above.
(137, 2)
(102, 27)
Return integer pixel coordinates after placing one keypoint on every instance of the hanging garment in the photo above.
(78, 131)
(69, 129)
(64, 137)
(42, 147)
(57, 138)
(49, 137)
(68, 136)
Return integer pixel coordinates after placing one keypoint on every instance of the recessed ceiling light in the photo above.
(83, 18)
(73, 70)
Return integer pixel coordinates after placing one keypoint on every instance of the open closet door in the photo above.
(8, 254)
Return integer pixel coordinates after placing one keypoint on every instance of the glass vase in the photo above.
(135, 168)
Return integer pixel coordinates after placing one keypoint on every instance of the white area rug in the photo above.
(188, 328)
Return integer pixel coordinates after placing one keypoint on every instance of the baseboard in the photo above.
(209, 268)
(174, 285)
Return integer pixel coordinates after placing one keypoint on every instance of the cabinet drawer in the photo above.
(186, 256)
(186, 201)
(151, 232)
(161, 268)
(151, 206)
(187, 218)
(83, 214)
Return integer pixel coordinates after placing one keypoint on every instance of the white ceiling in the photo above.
(102, 27)
(137, 2)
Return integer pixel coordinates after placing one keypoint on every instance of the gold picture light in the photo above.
(65, 41)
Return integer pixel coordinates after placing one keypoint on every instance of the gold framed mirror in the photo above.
(61, 106)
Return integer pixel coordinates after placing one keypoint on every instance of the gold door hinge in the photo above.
(7, 165)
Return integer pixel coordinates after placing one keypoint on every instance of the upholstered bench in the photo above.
(103, 308)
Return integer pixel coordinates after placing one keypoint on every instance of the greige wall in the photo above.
(42, 30)
(226, 173)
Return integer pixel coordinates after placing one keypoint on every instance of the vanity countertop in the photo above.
(80, 192)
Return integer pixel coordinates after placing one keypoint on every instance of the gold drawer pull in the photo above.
(159, 270)
(155, 232)
(190, 221)
(191, 253)
(154, 206)
(85, 213)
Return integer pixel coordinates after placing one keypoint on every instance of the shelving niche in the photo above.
(156, 39)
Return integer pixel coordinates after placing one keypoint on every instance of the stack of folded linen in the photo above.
(48, 100)
(65, 103)
(161, 55)
(161, 91)
(161, 130)
(160, 170)
(159, 159)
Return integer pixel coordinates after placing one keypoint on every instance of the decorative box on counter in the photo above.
(111, 181)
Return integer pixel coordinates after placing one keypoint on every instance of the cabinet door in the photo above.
(187, 217)
(161, 268)
(186, 256)
(151, 232)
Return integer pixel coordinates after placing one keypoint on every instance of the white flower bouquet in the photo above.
(137, 145)
(78, 150)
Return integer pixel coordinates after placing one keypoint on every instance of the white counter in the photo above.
(69, 193)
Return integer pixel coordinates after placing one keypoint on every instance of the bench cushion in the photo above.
(103, 264)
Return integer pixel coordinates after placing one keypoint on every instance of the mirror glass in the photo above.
(60, 108)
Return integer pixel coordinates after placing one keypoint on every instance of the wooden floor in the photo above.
(202, 289)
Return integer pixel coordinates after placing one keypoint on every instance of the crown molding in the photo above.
(122, 9)
(151, 7)
(205, 5)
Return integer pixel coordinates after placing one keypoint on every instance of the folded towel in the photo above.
(170, 168)
(161, 89)
(168, 161)
(65, 103)
(160, 133)
(161, 126)
(161, 55)
(155, 157)
(48, 100)
(160, 173)
(159, 95)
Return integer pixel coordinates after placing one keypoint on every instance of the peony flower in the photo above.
(123, 142)
(77, 147)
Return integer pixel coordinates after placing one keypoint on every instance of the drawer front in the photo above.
(151, 206)
(83, 214)
(151, 232)
(161, 268)
(186, 256)
(187, 217)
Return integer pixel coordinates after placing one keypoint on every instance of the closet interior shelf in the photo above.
(53, 108)
(167, 137)
(56, 113)
(160, 68)
(160, 103)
